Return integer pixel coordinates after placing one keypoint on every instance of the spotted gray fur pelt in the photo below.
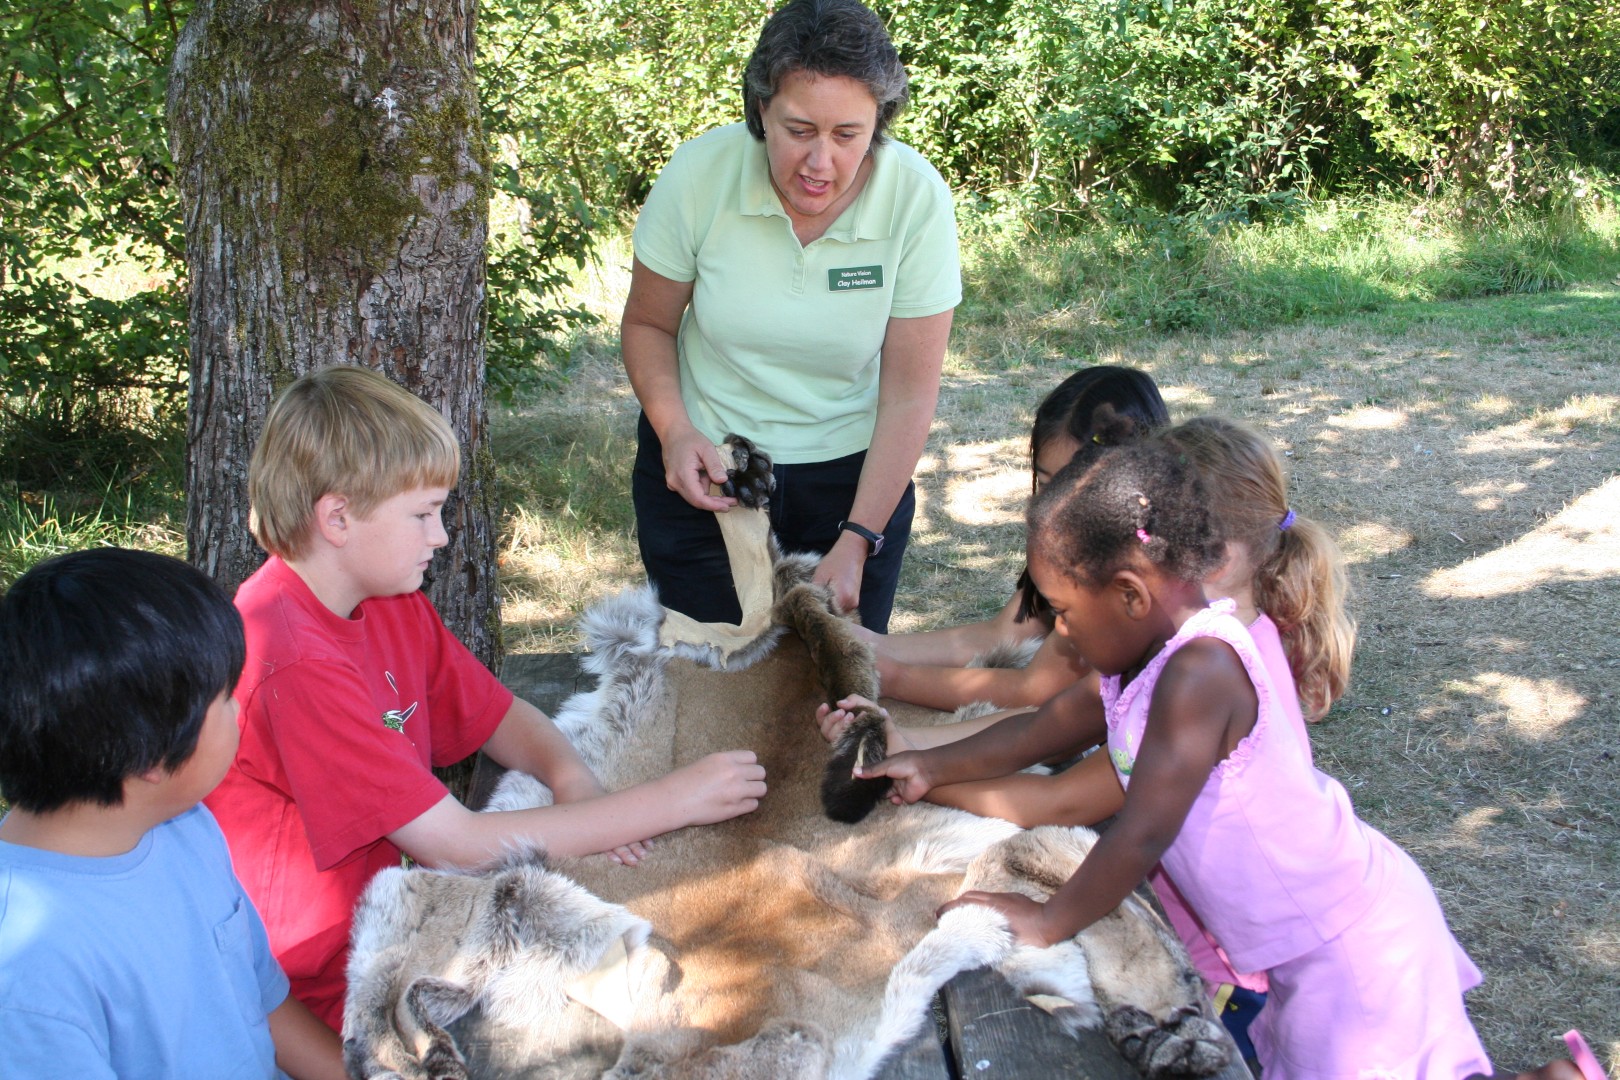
(429, 945)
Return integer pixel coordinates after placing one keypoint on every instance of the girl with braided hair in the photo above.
(1220, 793)
(932, 668)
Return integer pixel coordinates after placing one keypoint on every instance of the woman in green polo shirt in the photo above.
(794, 282)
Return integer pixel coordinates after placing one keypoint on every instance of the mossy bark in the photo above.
(336, 193)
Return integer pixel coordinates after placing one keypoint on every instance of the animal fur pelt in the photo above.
(779, 944)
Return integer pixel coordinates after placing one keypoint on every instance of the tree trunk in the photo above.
(336, 198)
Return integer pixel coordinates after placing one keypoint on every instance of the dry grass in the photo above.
(1468, 458)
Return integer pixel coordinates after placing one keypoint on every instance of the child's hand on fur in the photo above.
(632, 853)
(1025, 917)
(833, 720)
(906, 769)
(719, 787)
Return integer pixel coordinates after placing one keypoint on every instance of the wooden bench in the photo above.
(984, 1029)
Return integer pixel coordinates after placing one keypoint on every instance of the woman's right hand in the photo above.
(691, 464)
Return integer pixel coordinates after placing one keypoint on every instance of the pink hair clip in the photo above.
(1142, 535)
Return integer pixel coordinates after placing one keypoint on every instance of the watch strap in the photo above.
(874, 541)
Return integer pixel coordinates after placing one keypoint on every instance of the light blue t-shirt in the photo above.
(151, 964)
(782, 342)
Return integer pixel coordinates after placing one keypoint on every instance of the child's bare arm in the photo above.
(714, 788)
(306, 1049)
(1083, 794)
(1054, 667)
(1066, 724)
(833, 719)
(956, 645)
(528, 741)
(1202, 699)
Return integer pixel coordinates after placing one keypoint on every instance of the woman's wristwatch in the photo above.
(874, 541)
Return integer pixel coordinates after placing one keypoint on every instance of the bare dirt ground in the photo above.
(1467, 457)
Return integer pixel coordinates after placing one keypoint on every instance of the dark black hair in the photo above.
(828, 38)
(1070, 409)
(109, 659)
(1104, 510)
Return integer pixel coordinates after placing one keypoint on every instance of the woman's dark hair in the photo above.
(826, 38)
(109, 660)
(1104, 510)
(1071, 409)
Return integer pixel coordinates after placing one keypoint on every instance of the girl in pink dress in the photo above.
(1366, 980)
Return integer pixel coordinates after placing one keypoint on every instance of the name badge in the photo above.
(854, 278)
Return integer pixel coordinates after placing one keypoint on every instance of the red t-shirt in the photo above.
(342, 721)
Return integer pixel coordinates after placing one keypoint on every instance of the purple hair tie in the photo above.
(1287, 520)
(1142, 535)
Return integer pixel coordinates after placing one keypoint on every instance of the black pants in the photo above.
(685, 555)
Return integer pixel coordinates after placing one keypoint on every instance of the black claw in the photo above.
(749, 479)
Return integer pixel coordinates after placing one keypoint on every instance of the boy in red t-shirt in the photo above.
(354, 689)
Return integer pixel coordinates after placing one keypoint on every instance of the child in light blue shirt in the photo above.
(127, 947)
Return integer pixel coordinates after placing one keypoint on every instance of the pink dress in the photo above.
(1366, 981)
(1207, 955)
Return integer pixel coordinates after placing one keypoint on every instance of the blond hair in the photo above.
(1299, 577)
(342, 430)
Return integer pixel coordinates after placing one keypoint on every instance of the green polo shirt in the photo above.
(782, 342)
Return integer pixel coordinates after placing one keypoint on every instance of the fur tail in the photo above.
(845, 665)
(966, 938)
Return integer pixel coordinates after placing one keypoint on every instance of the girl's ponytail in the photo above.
(1303, 588)
(1298, 574)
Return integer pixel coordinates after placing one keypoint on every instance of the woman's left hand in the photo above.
(841, 569)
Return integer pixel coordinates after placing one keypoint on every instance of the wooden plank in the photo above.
(994, 1033)
(923, 1058)
(544, 680)
(997, 1035)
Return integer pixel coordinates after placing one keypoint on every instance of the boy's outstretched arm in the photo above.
(712, 789)
(527, 740)
(306, 1049)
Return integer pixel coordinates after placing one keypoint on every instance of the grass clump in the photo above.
(89, 472)
(34, 527)
(1079, 293)
(567, 530)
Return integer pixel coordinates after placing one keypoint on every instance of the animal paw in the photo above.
(1186, 1043)
(845, 797)
(749, 478)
